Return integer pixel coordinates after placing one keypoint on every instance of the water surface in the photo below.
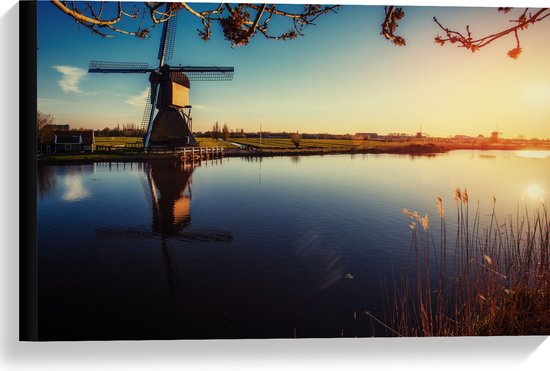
(247, 248)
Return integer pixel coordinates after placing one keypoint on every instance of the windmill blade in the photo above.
(189, 234)
(206, 73)
(169, 37)
(153, 94)
(118, 67)
(166, 47)
(146, 114)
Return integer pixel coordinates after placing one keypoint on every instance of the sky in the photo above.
(342, 77)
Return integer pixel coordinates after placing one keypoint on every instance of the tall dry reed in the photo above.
(491, 280)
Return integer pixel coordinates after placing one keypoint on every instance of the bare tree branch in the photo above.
(522, 22)
(241, 22)
(390, 24)
(252, 27)
(82, 18)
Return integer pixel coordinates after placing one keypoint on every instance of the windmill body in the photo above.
(169, 92)
(170, 127)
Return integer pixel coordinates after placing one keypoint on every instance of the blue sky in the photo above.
(342, 77)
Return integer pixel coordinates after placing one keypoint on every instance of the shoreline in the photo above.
(424, 149)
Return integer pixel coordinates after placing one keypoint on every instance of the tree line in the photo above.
(128, 130)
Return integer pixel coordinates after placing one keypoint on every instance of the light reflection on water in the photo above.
(246, 247)
(74, 189)
(533, 154)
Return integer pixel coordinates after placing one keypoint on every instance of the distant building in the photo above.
(398, 137)
(462, 137)
(77, 141)
(365, 136)
(60, 127)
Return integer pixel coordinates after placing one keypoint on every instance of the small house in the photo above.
(73, 141)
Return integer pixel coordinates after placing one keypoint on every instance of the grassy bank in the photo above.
(122, 141)
(334, 145)
(126, 148)
(121, 148)
(105, 157)
(230, 150)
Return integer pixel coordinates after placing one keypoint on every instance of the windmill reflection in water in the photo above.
(169, 184)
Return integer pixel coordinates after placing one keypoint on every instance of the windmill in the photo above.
(495, 136)
(169, 92)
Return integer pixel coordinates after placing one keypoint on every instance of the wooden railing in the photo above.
(199, 153)
(186, 153)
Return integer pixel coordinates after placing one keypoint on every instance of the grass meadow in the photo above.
(122, 141)
(323, 144)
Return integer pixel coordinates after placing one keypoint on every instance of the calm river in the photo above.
(241, 248)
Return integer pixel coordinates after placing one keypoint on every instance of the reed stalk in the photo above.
(495, 282)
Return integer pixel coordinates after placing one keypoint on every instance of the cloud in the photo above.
(138, 100)
(71, 78)
(200, 107)
(51, 100)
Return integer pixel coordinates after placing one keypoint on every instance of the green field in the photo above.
(211, 142)
(122, 141)
(282, 146)
(323, 144)
(266, 143)
(286, 143)
(116, 141)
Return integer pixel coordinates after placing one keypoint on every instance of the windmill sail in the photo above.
(206, 73)
(152, 100)
(118, 67)
(146, 114)
(166, 47)
(170, 37)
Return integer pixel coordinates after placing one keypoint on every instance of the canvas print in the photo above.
(247, 171)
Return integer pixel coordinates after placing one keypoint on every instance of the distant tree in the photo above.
(43, 119)
(130, 130)
(296, 138)
(240, 22)
(44, 129)
(129, 126)
(225, 132)
(216, 131)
